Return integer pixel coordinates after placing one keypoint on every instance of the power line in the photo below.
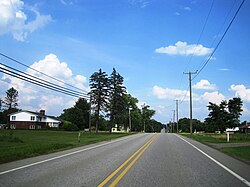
(224, 34)
(14, 60)
(39, 83)
(44, 81)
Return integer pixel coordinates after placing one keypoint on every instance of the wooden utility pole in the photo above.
(190, 89)
(177, 126)
(173, 119)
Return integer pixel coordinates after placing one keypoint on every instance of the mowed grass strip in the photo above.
(239, 152)
(20, 144)
(218, 138)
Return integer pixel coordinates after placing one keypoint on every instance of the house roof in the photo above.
(37, 114)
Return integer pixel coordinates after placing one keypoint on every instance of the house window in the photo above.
(39, 126)
(32, 127)
(13, 118)
(13, 126)
(32, 118)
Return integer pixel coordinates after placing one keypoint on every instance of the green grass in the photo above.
(19, 144)
(239, 152)
(219, 138)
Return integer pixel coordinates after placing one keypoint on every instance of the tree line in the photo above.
(109, 105)
(221, 116)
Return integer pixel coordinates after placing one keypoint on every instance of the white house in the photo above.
(32, 120)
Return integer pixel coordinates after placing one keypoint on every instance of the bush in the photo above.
(68, 126)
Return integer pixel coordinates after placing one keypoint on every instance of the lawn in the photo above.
(239, 152)
(19, 144)
(242, 152)
(219, 138)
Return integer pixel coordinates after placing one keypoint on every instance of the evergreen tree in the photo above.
(99, 85)
(78, 114)
(235, 109)
(117, 98)
(11, 100)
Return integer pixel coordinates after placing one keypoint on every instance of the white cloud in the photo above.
(166, 93)
(224, 69)
(204, 85)
(14, 19)
(241, 91)
(177, 13)
(214, 97)
(187, 8)
(182, 48)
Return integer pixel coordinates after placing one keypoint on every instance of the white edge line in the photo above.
(217, 162)
(61, 156)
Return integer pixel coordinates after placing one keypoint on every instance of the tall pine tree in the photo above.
(117, 98)
(99, 85)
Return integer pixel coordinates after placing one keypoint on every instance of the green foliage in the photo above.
(184, 125)
(68, 126)
(78, 114)
(225, 115)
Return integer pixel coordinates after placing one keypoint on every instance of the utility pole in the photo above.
(129, 119)
(177, 126)
(190, 89)
(173, 119)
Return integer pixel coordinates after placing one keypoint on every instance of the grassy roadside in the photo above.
(240, 152)
(19, 144)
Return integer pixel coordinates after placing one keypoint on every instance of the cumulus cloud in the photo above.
(14, 19)
(241, 91)
(166, 93)
(204, 85)
(32, 97)
(214, 97)
(182, 48)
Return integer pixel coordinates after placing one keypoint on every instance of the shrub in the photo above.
(68, 126)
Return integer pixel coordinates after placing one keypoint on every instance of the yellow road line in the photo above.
(114, 183)
(121, 166)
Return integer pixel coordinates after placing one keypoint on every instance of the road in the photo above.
(138, 160)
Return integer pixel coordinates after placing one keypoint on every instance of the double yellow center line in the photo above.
(133, 159)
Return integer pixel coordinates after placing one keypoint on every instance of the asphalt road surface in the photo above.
(138, 160)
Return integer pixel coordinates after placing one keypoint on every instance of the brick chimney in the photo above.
(42, 112)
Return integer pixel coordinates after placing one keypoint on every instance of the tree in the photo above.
(99, 85)
(117, 98)
(11, 100)
(146, 115)
(235, 109)
(78, 114)
(224, 115)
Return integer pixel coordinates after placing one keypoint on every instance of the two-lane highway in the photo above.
(137, 160)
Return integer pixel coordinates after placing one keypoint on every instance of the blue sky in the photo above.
(149, 42)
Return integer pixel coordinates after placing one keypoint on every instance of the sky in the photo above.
(149, 42)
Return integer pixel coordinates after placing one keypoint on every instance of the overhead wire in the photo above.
(197, 43)
(39, 83)
(223, 36)
(44, 81)
(16, 61)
